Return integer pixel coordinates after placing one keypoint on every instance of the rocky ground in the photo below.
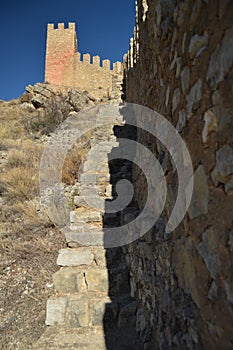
(29, 243)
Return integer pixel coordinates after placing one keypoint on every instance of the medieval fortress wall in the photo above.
(180, 64)
(64, 66)
(181, 60)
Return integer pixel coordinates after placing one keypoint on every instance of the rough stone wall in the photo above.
(65, 68)
(180, 63)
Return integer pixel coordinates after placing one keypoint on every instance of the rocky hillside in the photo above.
(29, 241)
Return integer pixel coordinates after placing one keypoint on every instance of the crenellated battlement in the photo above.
(66, 66)
(51, 26)
(96, 61)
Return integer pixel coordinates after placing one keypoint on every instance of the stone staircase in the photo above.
(93, 307)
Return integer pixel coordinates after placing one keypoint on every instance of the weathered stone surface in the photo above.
(200, 197)
(77, 100)
(56, 308)
(201, 34)
(100, 257)
(75, 257)
(57, 338)
(194, 96)
(185, 78)
(223, 171)
(102, 309)
(185, 263)
(77, 311)
(97, 280)
(197, 43)
(213, 291)
(230, 241)
(78, 216)
(175, 100)
(210, 126)
(223, 114)
(69, 280)
(181, 121)
(208, 249)
(90, 202)
(167, 95)
(229, 292)
(127, 315)
(222, 59)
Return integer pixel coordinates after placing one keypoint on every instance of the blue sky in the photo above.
(103, 27)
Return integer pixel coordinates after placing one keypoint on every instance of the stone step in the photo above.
(82, 310)
(94, 178)
(105, 145)
(100, 237)
(85, 215)
(113, 281)
(88, 338)
(103, 190)
(99, 167)
(58, 338)
(94, 202)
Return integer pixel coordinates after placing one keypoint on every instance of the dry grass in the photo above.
(20, 180)
(28, 241)
(75, 159)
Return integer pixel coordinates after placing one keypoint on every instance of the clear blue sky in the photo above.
(103, 27)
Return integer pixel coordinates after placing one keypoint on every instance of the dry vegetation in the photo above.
(29, 241)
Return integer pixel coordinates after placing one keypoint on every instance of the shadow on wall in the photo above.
(120, 315)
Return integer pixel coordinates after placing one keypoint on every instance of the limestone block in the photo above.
(97, 280)
(69, 280)
(213, 291)
(185, 78)
(56, 308)
(127, 315)
(191, 272)
(223, 171)
(108, 190)
(221, 60)
(102, 310)
(167, 95)
(175, 100)
(100, 167)
(194, 96)
(208, 249)
(75, 257)
(210, 126)
(181, 121)
(229, 292)
(79, 201)
(197, 42)
(78, 311)
(100, 256)
(223, 114)
(230, 241)
(200, 197)
(85, 215)
(90, 178)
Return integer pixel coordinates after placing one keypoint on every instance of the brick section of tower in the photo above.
(61, 47)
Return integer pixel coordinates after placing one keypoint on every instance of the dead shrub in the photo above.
(21, 184)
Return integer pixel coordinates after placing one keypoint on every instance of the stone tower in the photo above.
(66, 67)
(61, 47)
